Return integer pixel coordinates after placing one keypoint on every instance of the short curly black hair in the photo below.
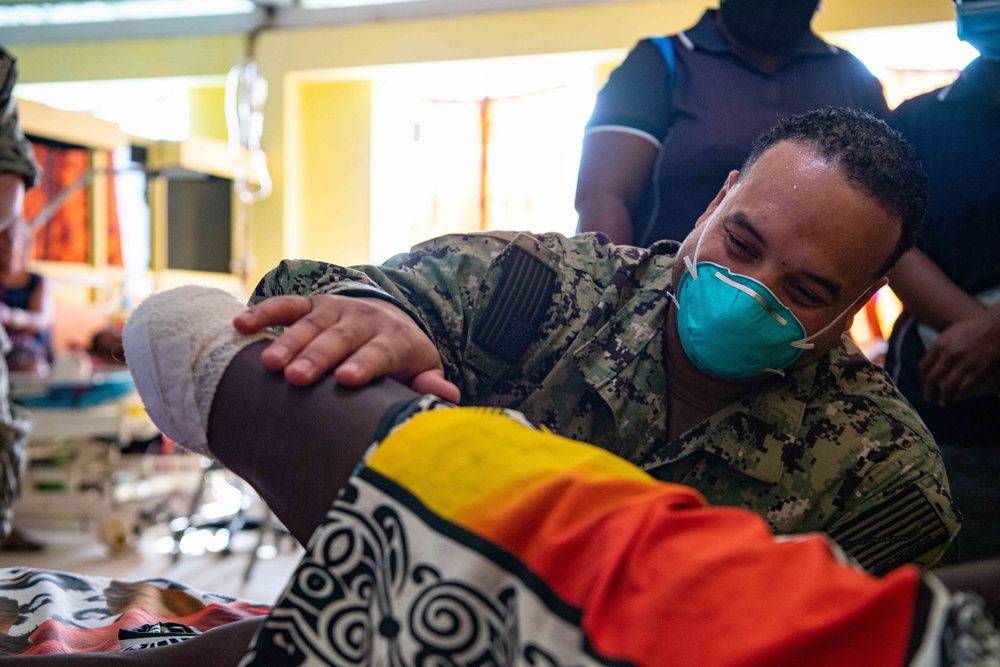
(870, 154)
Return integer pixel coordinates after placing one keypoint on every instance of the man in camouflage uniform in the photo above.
(18, 172)
(582, 337)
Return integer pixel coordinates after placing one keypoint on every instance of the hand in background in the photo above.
(362, 339)
(966, 354)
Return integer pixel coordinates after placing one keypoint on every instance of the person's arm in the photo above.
(631, 115)
(16, 156)
(36, 318)
(966, 354)
(11, 199)
(894, 505)
(929, 294)
(406, 319)
(614, 170)
(968, 350)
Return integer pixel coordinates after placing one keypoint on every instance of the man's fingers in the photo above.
(350, 343)
(961, 379)
(278, 311)
(433, 382)
(968, 382)
(362, 339)
(932, 380)
(930, 359)
(378, 358)
(318, 341)
(948, 385)
(383, 356)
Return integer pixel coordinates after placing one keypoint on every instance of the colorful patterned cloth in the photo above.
(471, 538)
(42, 611)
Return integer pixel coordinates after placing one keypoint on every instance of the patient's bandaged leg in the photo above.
(178, 344)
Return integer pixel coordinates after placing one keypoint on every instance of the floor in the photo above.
(78, 550)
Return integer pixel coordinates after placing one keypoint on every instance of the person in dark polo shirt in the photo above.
(683, 111)
(944, 352)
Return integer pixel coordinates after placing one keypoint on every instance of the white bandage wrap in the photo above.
(178, 344)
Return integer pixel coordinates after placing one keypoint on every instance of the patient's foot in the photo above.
(178, 344)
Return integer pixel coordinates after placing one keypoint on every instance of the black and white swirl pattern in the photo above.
(362, 596)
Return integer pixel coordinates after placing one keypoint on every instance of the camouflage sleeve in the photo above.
(436, 283)
(15, 427)
(16, 156)
(897, 505)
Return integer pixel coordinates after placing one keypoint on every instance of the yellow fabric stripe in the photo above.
(456, 458)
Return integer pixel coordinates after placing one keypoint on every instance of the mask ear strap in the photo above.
(804, 344)
(691, 265)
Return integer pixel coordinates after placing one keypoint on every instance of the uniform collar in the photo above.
(706, 35)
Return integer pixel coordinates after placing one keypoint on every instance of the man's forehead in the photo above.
(806, 207)
(787, 153)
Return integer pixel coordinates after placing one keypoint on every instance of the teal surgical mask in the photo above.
(733, 326)
(979, 25)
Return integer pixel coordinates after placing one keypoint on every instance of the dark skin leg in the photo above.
(297, 446)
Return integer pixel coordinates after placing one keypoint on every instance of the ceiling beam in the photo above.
(130, 29)
(286, 17)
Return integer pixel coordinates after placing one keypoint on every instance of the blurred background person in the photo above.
(682, 111)
(26, 308)
(18, 172)
(106, 346)
(944, 352)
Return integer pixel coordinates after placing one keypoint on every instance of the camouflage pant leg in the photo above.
(13, 443)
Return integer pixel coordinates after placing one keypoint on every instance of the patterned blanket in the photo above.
(43, 611)
(470, 538)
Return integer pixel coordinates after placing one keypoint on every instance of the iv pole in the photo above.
(246, 93)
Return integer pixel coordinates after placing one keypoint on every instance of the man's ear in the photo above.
(730, 183)
(864, 299)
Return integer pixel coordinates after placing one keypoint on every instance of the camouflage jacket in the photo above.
(570, 333)
(16, 156)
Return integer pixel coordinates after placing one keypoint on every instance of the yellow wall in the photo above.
(208, 112)
(334, 179)
(299, 216)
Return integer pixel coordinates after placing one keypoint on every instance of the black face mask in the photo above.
(770, 26)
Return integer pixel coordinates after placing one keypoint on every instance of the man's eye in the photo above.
(739, 246)
(806, 295)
